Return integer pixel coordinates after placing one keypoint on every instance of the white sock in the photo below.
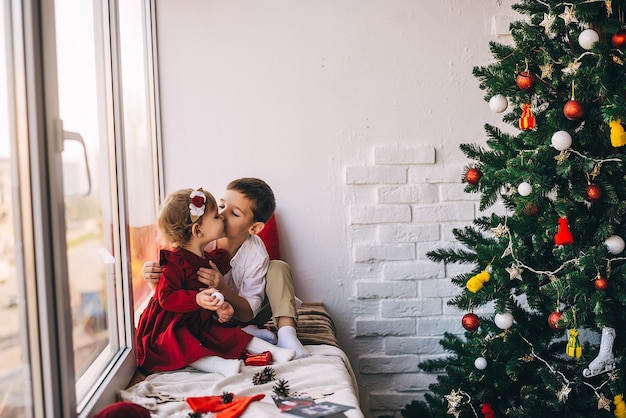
(288, 338)
(215, 364)
(262, 333)
(279, 355)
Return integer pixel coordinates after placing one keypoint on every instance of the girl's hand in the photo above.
(206, 300)
(151, 273)
(211, 277)
(225, 312)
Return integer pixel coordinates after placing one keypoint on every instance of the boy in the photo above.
(255, 287)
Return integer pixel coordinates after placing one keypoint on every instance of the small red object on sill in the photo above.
(262, 359)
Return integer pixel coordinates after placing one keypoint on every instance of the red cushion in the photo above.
(269, 236)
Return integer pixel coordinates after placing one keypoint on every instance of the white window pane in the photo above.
(90, 188)
(139, 131)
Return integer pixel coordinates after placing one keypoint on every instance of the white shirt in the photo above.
(248, 269)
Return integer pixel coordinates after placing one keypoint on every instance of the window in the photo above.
(79, 192)
(15, 395)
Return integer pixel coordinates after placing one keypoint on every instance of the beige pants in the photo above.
(280, 298)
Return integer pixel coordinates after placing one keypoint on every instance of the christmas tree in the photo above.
(550, 266)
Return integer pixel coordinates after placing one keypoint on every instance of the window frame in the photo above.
(39, 137)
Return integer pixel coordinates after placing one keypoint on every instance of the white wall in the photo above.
(351, 111)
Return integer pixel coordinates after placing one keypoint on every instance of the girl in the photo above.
(180, 326)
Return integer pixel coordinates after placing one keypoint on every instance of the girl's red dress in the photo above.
(173, 331)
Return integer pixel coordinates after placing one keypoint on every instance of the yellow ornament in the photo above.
(574, 349)
(476, 282)
(618, 136)
(620, 406)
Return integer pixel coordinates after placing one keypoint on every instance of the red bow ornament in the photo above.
(527, 121)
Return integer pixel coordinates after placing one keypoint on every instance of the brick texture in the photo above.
(400, 297)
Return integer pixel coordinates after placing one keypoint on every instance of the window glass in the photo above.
(90, 188)
(139, 130)
(14, 370)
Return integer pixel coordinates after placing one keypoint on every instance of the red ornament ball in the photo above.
(573, 110)
(470, 322)
(525, 80)
(618, 40)
(473, 176)
(594, 192)
(600, 283)
(553, 320)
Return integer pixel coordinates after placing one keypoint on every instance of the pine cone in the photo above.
(266, 375)
(281, 388)
(227, 397)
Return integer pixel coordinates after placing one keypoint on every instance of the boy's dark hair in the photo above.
(261, 195)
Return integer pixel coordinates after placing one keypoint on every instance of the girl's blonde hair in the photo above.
(174, 220)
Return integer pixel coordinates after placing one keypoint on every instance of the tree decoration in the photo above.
(618, 39)
(568, 16)
(604, 402)
(498, 103)
(587, 38)
(620, 406)
(454, 401)
(600, 283)
(531, 209)
(563, 394)
(554, 318)
(527, 121)
(547, 22)
(515, 272)
(480, 363)
(573, 110)
(504, 320)
(473, 176)
(564, 235)
(573, 348)
(618, 136)
(487, 410)
(525, 80)
(605, 361)
(476, 282)
(615, 244)
(524, 188)
(561, 140)
(594, 192)
(470, 322)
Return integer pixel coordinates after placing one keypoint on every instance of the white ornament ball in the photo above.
(524, 188)
(219, 296)
(587, 38)
(498, 103)
(561, 140)
(504, 320)
(480, 363)
(615, 244)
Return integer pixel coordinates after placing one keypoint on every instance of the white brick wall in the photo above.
(400, 295)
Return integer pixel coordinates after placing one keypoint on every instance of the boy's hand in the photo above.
(206, 300)
(211, 276)
(225, 312)
(151, 272)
